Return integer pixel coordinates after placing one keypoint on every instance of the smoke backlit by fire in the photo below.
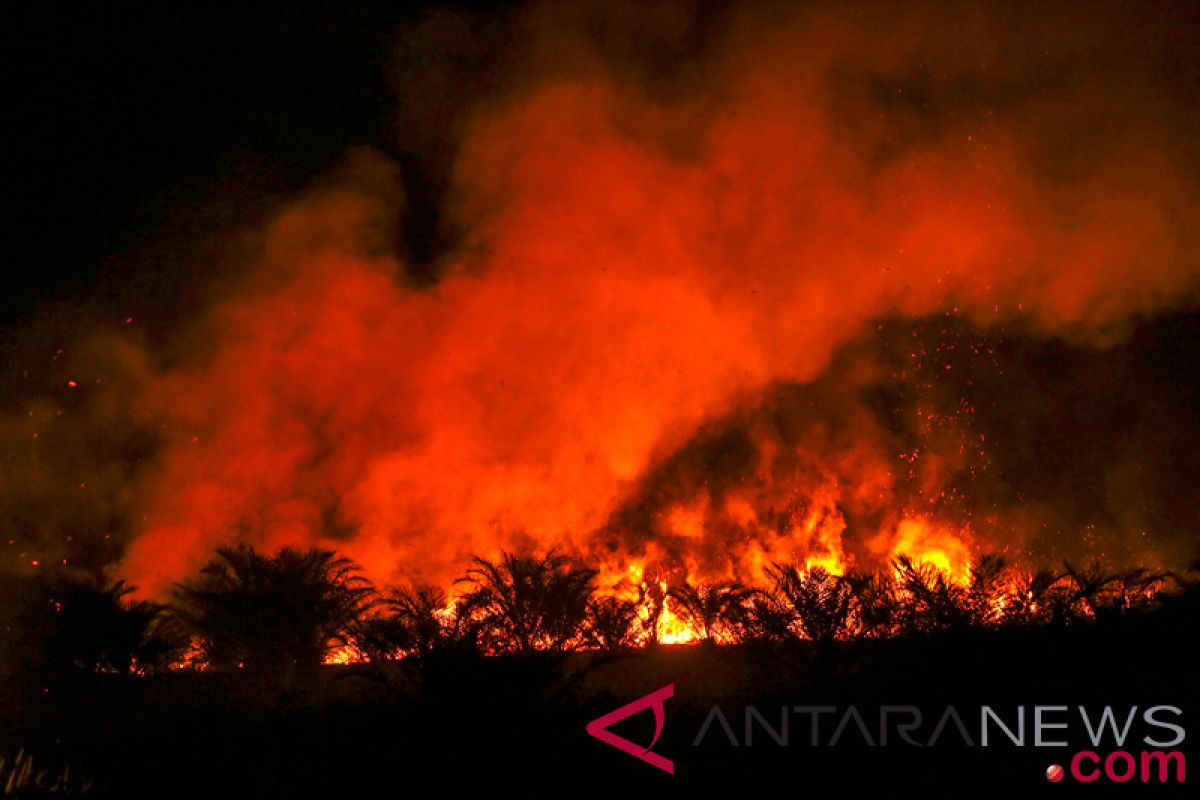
(653, 343)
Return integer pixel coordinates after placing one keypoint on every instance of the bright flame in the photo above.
(942, 546)
(671, 629)
(343, 654)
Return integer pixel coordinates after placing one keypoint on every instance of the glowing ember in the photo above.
(344, 654)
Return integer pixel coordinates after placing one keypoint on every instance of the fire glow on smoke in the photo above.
(734, 310)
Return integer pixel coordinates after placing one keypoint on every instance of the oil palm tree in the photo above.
(523, 603)
(83, 624)
(985, 596)
(815, 602)
(277, 614)
(423, 623)
(1093, 588)
(613, 622)
(712, 610)
(1038, 597)
(417, 627)
(1139, 588)
(417, 621)
(928, 599)
(876, 603)
(1184, 600)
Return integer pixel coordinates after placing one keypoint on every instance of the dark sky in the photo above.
(127, 126)
(130, 130)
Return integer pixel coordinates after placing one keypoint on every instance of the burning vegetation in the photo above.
(730, 308)
(780, 350)
(284, 614)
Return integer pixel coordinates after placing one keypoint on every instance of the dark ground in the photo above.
(479, 726)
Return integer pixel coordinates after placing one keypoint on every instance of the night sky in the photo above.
(124, 122)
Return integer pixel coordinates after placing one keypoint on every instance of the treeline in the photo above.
(284, 614)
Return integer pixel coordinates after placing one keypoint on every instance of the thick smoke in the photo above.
(685, 248)
(925, 426)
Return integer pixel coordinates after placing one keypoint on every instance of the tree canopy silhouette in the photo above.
(81, 624)
(815, 602)
(713, 610)
(415, 622)
(613, 623)
(276, 613)
(526, 603)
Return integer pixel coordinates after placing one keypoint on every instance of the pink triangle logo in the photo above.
(599, 727)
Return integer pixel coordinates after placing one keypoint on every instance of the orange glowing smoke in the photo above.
(640, 259)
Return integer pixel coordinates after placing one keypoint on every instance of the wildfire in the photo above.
(933, 570)
(926, 542)
(343, 654)
(671, 629)
(683, 334)
(771, 334)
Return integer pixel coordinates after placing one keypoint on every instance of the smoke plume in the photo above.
(714, 287)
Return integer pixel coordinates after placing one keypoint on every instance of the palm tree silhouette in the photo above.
(1103, 594)
(1185, 600)
(525, 604)
(1139, 587)
(416, 621)
(986, 591)
(89, 625)
(422, 619)
(928, 600)
(876, 603)
(713, 610)
(1038, 597)
(277, 614)
(1093, 588)
(816, 603)
(613, 622)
